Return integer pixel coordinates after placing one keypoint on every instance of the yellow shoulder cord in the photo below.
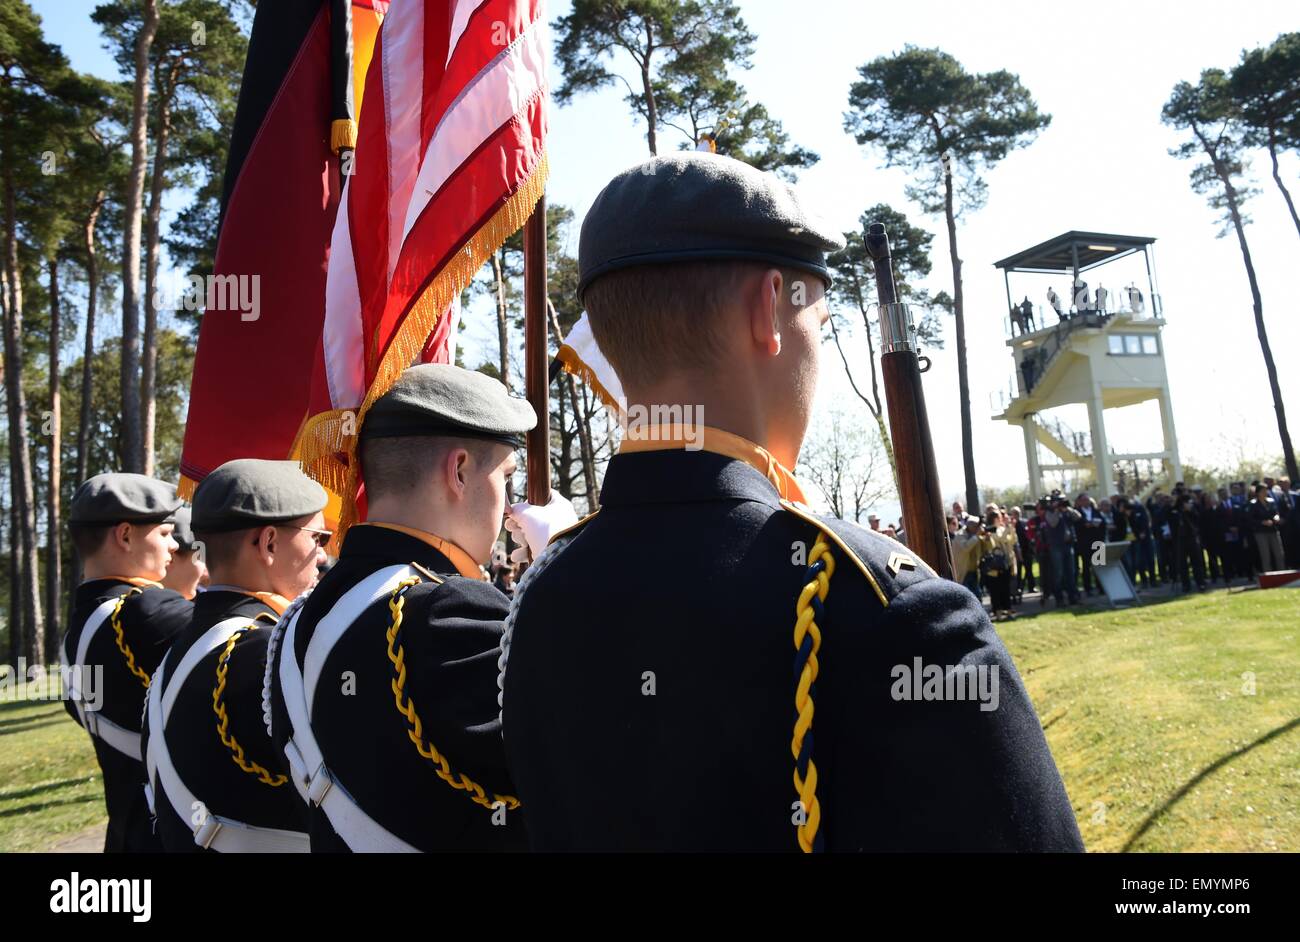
(415, 728)
(223, 718)
(115, 622)
(807, 642)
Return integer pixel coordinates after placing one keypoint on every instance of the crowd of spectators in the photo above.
(1186, 539)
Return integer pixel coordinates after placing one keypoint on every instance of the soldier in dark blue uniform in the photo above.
(707, 665)
(122, 623)
(186, 573)
(383, 685)
(216, 781)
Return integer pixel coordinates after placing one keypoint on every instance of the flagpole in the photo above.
(536, 367)
(343, 124)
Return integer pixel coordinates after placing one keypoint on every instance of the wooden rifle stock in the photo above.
(909, 425)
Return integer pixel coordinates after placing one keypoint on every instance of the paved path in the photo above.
(89, 841)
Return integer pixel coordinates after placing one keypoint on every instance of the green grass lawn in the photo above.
(1176, 725)
(50, 787)
(1148, 711)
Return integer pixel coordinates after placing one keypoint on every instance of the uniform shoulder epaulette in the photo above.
(573, 528)
(888, 566)
(428, 574)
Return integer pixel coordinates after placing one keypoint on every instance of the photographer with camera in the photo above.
(996, 564)
(1058, 525)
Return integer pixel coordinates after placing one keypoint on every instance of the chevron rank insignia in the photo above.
(899, 562)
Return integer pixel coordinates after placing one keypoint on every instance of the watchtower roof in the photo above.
(1059, 254)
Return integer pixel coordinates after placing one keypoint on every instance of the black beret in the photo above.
(441, 399)
(253, 492)
(695, 206)
(121, 497)
(182, 532)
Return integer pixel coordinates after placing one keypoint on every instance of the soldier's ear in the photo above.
(456, 469)
(765, 313)
(122, 536)
(264, 541)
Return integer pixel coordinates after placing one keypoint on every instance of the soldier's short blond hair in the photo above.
(650, 319)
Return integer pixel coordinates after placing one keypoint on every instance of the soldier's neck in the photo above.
(101, 566)
(441, 522)
(712, 404)
(239, 578)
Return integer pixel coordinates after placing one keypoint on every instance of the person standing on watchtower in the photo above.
(1027, 315)
(1054, 300)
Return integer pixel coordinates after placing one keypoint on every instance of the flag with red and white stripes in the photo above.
(450, 161)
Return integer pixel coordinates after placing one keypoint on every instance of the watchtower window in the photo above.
(1133, 345)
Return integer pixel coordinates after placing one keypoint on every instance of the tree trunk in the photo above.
(132, 444)
(877, 413)
(876, 407)
(651, 111)
(149, 357)
(88, 356)
(503, 340)
(87, 366)
(1286, 194)
(1288, 451)
(20, 449)
(888, 444)
(7, 519)
(589, 458)
(53, 544)
(503, 324)
(963, 377)
(563, 450)
(17, 648)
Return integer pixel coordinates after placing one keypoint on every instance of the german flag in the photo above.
(260, 335)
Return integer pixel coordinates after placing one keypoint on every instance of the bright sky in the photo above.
(1103, 74)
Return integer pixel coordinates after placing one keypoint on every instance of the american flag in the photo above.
(450, 161)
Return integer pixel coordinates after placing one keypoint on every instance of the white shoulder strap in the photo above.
(215, 832)
(311, 777)
(124, 740)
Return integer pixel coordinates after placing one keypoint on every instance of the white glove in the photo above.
(534, 525)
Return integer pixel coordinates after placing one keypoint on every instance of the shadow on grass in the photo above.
(31, 809)
(31, 726)
(19, 720)
(1200, 776)
(1086, 606)
(19, 702)
(47, 787)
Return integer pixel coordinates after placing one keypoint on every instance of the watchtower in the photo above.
(1092, 345)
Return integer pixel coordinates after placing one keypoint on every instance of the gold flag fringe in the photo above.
(574, 364)
(185, 488)
(326, 445)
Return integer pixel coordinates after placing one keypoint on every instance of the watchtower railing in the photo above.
(1014, 325)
